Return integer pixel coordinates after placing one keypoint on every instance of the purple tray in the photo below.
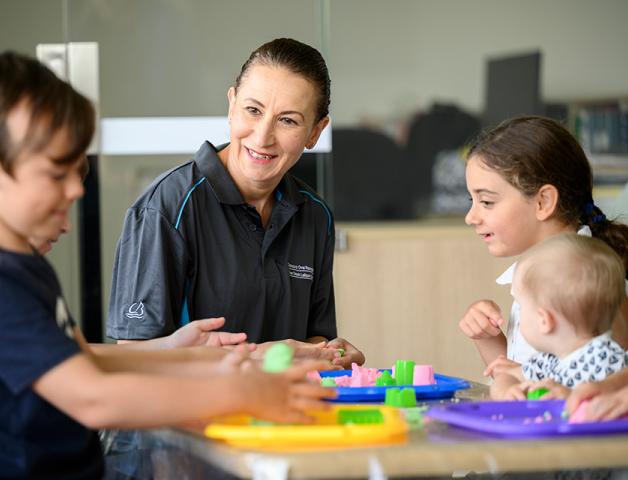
(516, 419)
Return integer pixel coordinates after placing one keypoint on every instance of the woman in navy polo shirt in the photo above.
(232, 233)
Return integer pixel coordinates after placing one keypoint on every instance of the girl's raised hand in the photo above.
(482, 319)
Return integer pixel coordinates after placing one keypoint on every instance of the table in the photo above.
(434, 451)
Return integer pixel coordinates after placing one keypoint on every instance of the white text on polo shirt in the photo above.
(302, 272)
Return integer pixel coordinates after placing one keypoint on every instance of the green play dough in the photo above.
(328, 382)
(278, 358)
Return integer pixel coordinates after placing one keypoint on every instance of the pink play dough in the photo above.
(579, 416)
(423, 375)
(360, 377)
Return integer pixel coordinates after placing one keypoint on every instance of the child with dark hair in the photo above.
(54, 392)
(529, 180)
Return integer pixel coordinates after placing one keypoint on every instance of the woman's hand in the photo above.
(350, 354)
(200, 333)
(482, 319)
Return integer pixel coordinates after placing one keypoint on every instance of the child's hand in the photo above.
(584, 391)
(503, 365)
(607, 406)
(482, 320)
(286, 396)
(237, 359)
(200, 332)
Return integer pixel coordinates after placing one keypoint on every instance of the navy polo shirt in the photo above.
(36, 334)
(192, 248)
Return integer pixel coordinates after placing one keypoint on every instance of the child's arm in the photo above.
(481, 322)
(127, 400)
(190, 361)
(491, 349)
(502, 365)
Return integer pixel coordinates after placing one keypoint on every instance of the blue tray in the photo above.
(445, 387)
(515, 419)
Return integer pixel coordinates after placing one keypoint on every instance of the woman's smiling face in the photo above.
(273, 119)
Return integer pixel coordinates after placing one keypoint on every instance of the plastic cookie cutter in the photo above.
(404, 372)
(385, 380)
(400, 397)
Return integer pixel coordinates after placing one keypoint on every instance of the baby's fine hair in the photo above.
(580, 277)
(54, 105)
(529, 152)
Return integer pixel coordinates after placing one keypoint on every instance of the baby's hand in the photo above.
(482, 320)
(556, 391)
(503, 365)
(517, 392)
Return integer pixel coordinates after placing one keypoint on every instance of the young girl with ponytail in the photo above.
(529, 179)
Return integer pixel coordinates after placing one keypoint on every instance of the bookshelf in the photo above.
(601, 127)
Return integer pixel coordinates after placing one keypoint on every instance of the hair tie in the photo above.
(588, 210)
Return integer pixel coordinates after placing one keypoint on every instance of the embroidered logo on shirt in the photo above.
(302, 272)
(136, 310)
(64, 321)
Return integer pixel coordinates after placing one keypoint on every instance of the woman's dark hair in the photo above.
(529, 152)
(53, 105)
(298, 58)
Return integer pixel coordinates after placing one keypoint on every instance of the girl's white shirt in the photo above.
(517, 348)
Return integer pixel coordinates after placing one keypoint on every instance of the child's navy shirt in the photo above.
(36, 334)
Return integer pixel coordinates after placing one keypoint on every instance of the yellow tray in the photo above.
(324, 433)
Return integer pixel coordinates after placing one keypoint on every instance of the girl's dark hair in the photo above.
(298, 58)
(529, 152)
(53, 105)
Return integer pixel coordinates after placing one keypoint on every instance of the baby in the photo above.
(570, 288)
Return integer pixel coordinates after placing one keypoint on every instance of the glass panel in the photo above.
(163, 58)
(23, 25)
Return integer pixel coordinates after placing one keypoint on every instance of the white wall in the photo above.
(388, 58)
